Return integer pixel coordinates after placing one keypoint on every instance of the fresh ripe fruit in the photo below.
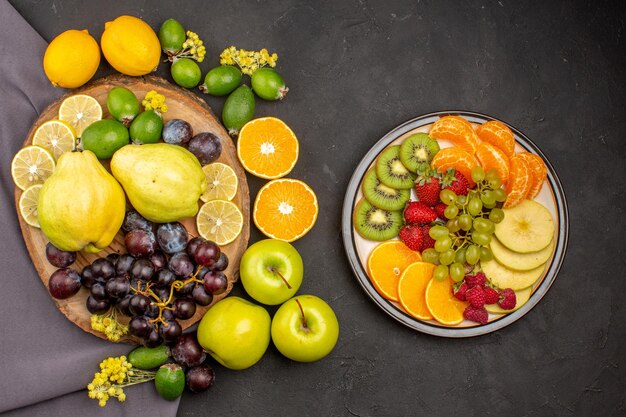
(527, 227)
(206, 253)
(187, 351)
(172, 237)
(503, 277)
(98, 291)
(153, 340)
(499, 135)
(71, 59)
(123, 105)
(172, 36)
(200, 378)
(416, 152)
(170, 330)
(142, 269)
(391, 171)
(134, 220)
(64, 283)
(427, 190)
(238, 109)
(193, 244)
(148, 358)
(140, 326)
(221, 264)
(184, 308)
(180, 264)
(520, 261)
(87, 278)
(146, 128)
(538, 170)
(457, 182)
(476, 314)
(508, 299)
(491, 295)
(32, 165)
(58, 257)
(138, 304)
(97, 306)
(519, 182)
(103, 269)
(460, 290)
(215, 282)
(428, 241)
(480, 279)
(186, 72)
(117, 287)
(158, 259)
(140, 242)
(221, 80)
(177, 132)
(412, 237)
(491, 157)
(79, 111)
(456, 158)
(456, 130)
(123, 264)
(201, 296)
(170, 381)
(104, 137)
(268, 84)
(206, 147)
(385, 265)
(411, 287)
(164, 278)
(476, 296)
(440, 209)
(56, 137)
(442, 304)
(416, 212)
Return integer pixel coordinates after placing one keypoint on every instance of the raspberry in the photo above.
(417, 212)
(428, 241)
(439, 209)
(476, 280)
(460, 289)
(508, 299)
(477, 314)
(476, 296)
(412, 236)
(491, 295)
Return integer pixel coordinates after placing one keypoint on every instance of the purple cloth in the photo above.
(45, 360)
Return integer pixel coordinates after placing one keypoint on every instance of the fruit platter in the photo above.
(455, 224)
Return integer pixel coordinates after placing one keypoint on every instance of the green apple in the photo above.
(305, 328)
(235, 332)
(271, 271)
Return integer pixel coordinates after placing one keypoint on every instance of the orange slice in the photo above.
(519, 182)
(442, 304)
(491, 157)
(285, 209)
(538, 170)
(456, 130)
(385, 266)
(267, 148)
(499, 135)
(456, 158)
(412, 287)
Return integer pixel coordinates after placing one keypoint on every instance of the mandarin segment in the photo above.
(456, 130)
(499, 135)
(412, 288)
(386, 264)
(538, 170)
(457, 158)
(441, 303)
(491, 157)
(519, 182)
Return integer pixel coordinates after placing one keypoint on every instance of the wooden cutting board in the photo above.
(182, 104)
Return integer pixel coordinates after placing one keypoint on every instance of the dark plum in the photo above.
(134, 220)
(158, 259)
(184, 308)
(206, 253)
(206, 147)
(138, 304)
(140, 242)
(97, 307)
(58, 257)
(200, 378)
(170, 330)
(164, 278)
(215, 282)
(103, 268)
(201, 296)
(123, 264)
(187, 351)
(177, 132)
(86, 277)
(64, 283)
(140, 326)
(181, 265)
(221, 264)
(99, 292)
(113, 257)
(142, 269)
(117, 287)
(172, 237)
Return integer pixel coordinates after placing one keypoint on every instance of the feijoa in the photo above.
(221, 80)
(123, 105)
(238, 109)
(170, 381)
(268, 84)
(186, 72)
(172, 36)
(148, 358)
(104, 137)
(146, 128)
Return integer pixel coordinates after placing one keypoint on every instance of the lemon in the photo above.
(221, 182)
(28, 204)
(130, 45)
(56, 137)
(31, 165)
(79, 111)
(219, 221)
(71, 59)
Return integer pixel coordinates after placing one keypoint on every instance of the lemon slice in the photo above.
(80, 111)
(221, 182)
(219, 221)
(56, 137)
(28, 204)
(31, 165)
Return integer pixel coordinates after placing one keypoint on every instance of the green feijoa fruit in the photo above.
(172, 36)
(268, 84)
(123, 105)
(221, 80)
(148, 358)
(238, 109)
(104, 137)
(146, 128)
(186, 72)
(170, 381)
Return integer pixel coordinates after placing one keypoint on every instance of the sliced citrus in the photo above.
(538, 170)
(491, 157)
(285, 209)
(457, 158)
(79, 111)
(28, 204)
(219, 221)
(31, 165)
(443, 306)
(221, 182)
(412, 288)
(385, 266)
(456, 130)
(55, 136)
(267, 148)
(499, 135)
(519, 182)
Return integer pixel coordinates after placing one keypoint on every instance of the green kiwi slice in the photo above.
(391, 171)
(417, 151)
(376, 224)
(381, 196)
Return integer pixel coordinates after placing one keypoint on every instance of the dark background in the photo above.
(556, 70)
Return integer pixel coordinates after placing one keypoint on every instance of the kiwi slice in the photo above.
(376, 224)
(417, 151)
(381, 196)
(392, 172)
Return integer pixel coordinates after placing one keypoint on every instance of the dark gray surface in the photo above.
(358, 68)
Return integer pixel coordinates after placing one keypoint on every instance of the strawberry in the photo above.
(455, 181)
(476, 296)
(491, 295)
(508, 300)
(477, 314)
(412, 236)
(476, 280)
(460, 289)
(417, 212)
(439, 209)
(428, 241)
(427, 189)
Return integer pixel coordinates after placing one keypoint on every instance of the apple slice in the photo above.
(527, 227)
(521, 296)
(520, 261)
(503, 277)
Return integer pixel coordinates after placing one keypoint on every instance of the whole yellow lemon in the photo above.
(131, 46)
(71, 59)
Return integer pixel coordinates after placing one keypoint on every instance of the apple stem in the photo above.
(304, 323)
(275, 271)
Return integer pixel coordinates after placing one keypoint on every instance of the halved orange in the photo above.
(285, 209)
(538, 170)
(519, 182)
(456, 130)
(385, 266)
(457, 158)
(499, 135)
(267, 148)
(443, 306)
(412, 288)
(491, 157)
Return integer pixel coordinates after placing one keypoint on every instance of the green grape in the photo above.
(475, 206)
(495, 183)
(492, 174)
(441, 272)
(453, 225)
(488, 197)
(460, 255)
(496, 215)
(457, 272)
(447, 257)
(451, 211)
(480, 225)
(472, 254)
(490, 227)
(438, 231)
(465, 221)
(461, 199)
(490, 206)
(447, 197)
(500, 195)
(485, 254)
(481, 239)
(431, 256)
(478, 174)
(443, 244)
